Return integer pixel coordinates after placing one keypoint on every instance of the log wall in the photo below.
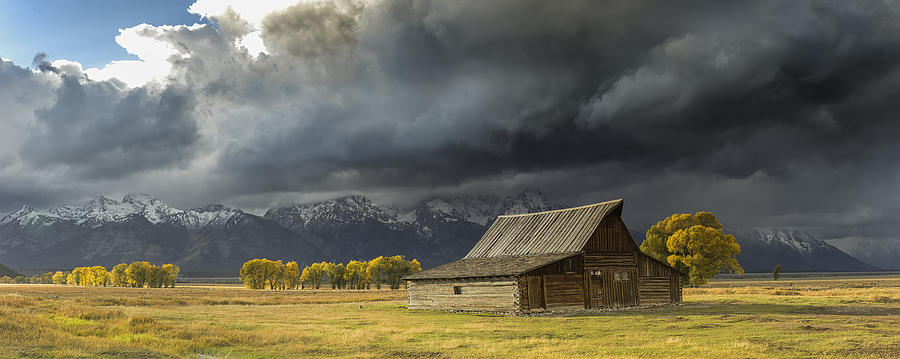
(655, 290)
(497, 294)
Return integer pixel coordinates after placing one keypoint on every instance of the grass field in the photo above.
(846, 317)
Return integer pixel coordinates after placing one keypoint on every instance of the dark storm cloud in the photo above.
(770, 113)
(451, 92)
(104, 131)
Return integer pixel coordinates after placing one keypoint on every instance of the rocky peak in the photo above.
(22, 212)
(139, 199)
(342, 210)
(217, 208)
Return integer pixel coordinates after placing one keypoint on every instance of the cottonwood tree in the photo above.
(263, 273)
(694, 245)
(99, 276)
(292, 275)
(59, 278)
(375, 271)
(138, 274)
(118, 276)
(170, 274)
(356, 276)
(776, 272)
(336, 274)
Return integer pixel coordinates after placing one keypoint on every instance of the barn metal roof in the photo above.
(560, 231)
(490, 267)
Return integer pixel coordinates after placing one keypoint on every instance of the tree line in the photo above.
(136, 275)
(265, 273)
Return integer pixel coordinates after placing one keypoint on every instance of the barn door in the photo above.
(596, 288)
(535, 292)
(621, 288)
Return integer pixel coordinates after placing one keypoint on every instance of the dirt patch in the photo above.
(811, 328)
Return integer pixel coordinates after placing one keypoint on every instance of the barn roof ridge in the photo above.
(560, 210)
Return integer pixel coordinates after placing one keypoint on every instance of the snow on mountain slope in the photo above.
(28, 216)
(338, 211)
(798, 241)
(795, 251)
(101, 210)
(207, 216)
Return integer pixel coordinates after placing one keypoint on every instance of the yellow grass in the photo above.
(808, 318)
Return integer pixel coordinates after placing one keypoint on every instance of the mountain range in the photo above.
(216, 239)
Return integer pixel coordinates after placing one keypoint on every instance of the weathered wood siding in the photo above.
(499, 294)
(655, 290)
(611, 236)
(564, 290)
(658, 283)
(609, 260)
(649, 267)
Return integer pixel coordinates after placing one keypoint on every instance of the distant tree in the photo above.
(776, 272)
(694, 245)
(396, 267)
(99, 276)
(170, 274)
(252, 274)
(336, 274)
(304, 277)
(75, 277)
(118, 276)
(356, 274)
(315, 274)
(274, 273)
(375, 271)
(6, 279)
(155, 277)
(292, 275)
(138, 274)
(59, 278)
(20, 279)
(46, 278)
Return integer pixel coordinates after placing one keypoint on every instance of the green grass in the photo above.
(809, 318)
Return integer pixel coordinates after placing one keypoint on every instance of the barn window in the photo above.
(621, 275)
(457, 289)
(617, 276)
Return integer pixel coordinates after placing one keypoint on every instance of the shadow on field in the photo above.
(740, 309)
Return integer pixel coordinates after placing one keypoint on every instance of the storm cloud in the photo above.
(767, 113)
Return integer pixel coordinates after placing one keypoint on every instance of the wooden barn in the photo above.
(572, 258)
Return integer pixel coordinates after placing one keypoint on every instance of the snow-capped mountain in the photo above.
(795, 251)
(339, 211)
(105, 231)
